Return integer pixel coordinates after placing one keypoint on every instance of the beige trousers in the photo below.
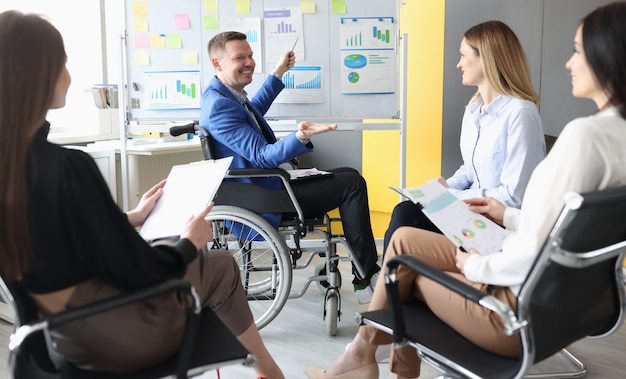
(142, 334)
(475, 323)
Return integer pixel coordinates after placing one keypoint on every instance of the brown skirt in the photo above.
(139, 335)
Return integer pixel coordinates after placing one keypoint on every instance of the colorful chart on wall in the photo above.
(331, 80)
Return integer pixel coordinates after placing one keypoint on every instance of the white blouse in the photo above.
(589, 155)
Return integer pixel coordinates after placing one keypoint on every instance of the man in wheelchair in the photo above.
(238, 129)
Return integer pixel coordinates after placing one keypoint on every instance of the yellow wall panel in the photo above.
(423, 21)
(381, 169)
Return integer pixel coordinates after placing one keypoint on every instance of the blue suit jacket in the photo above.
(235, 133)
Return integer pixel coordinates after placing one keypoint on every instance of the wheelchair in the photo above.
(267, 255)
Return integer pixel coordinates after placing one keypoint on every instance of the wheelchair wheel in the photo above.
(262, 255)
(331, 313)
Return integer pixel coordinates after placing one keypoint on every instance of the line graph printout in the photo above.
(303, 84)
(455, 220)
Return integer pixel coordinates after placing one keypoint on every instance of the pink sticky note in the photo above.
(142, 41)
(181, 21)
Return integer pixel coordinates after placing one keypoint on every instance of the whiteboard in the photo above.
(168, 65)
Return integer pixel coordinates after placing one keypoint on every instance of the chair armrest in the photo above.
(506, 314)
(54, 320)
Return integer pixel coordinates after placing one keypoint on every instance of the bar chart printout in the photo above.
(282, 27)
(367, 33)
(368, 58)
(172, 90)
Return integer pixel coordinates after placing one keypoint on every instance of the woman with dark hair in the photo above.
(589, 155)
(502, 138)
(66, 243)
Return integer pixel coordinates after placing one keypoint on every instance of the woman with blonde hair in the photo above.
(502, 138)
(65, 242)
(588, 156)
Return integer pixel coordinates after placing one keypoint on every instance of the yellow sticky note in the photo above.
(157, 41)
(242, 6)
(307, 6)
(210, 23)
(190, 57)
(140, 8)
(211, 6)
(142, 58)
(338, 6)
(173, 41)
(140, 24)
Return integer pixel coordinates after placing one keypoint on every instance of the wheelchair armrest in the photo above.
(258, 173)
(63, 317)
(506, 314)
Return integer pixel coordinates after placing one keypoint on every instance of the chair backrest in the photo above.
(574, 289)
(550, 140)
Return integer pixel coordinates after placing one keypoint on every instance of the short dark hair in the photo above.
(604, 44)
(218, 42)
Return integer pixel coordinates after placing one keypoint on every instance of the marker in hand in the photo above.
(295, 43)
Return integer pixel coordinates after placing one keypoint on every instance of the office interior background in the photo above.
(432, 91)
(431, 88)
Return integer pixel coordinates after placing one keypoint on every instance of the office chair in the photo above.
(267, 255)
(573, 290)
(207, 343)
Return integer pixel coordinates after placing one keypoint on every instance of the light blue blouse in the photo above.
(500, 148)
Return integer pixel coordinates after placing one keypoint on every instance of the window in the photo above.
(89, 36)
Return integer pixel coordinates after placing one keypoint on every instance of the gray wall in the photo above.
(546, 30)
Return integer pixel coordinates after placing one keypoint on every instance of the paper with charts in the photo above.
(188, 189)
(453, 217)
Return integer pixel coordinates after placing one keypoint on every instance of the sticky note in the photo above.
(142, 58)
(338, 6)
(181, 21)
(242, 6)
(140, 8)
(142, 41)
(157, 41)
(190, 57)
(140, 24)
(173, 41)
(211, 6)
(307, 6)
(210, 23)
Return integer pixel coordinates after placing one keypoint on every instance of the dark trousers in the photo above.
(407, 213)
(346, 190)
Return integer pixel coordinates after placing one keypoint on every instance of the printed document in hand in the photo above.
(188, 189)
(455, 220)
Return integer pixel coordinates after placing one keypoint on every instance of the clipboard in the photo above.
(188, 189)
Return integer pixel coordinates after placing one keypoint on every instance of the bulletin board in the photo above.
(346, 55)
